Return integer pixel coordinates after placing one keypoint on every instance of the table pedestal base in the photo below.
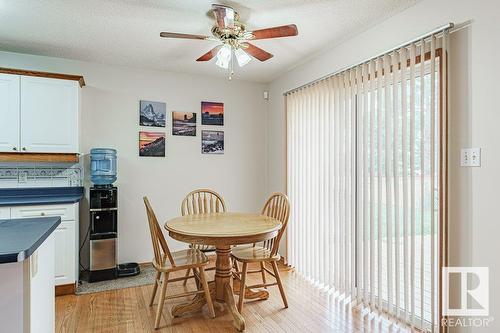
(221, 291)
(196, 303)
(199, 301)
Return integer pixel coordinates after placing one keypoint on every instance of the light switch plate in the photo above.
(470, 157)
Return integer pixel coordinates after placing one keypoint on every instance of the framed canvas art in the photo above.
(152, 144)
(152, 113)
(212, 113)
(184, 123)
(212, 142)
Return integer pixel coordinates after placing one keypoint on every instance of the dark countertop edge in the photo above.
(40, 195)
(24, 254)
(16, 201)
(60, 190)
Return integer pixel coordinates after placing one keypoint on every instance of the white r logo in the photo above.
(479, 293)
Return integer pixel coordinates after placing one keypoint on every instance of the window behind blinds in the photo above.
(366, 160)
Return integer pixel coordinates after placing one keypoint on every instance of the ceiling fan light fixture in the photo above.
(229, 18)
(234, 39)
(224, 56)
(242, 57)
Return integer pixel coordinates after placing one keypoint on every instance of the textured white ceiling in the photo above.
(126, 32)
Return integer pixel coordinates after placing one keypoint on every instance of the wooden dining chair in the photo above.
(202, 201)
(278, 207)
(166, 262)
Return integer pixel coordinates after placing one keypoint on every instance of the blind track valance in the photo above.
(436, 32)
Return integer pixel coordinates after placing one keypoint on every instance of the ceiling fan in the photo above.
(235, 39)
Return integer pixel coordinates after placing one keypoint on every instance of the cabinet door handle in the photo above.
(43, 214)
(14, 148)
(24, 148)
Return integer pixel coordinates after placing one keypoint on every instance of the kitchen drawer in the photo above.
(67, 212)
(4, 213)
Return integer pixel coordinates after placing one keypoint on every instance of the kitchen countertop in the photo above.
(39, 195)
(19, 238)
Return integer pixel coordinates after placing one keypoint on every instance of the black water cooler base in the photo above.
(102, 275)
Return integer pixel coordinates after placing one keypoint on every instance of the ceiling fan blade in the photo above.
(185, 36)
(281, 31)
(210, 54)
(224, 16)
(257, 52)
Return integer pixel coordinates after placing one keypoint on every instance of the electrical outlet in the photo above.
(475, 157)
(23, 177)
(470, 157)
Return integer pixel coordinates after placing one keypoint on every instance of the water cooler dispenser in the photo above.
(103, 232)
(103, 198)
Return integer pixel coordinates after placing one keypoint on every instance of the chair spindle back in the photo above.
(278, 207)
(202, 201)
(160, 247)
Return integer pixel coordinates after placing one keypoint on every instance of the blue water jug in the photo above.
(103, 166)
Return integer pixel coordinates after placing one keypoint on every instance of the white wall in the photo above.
(474, 87)
(110, 119)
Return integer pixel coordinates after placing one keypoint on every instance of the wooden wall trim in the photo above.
(72, 77)
(39, 157)
(65, 289)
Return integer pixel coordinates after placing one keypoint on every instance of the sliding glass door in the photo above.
(366, 178)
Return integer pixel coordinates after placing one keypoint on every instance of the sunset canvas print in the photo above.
(184, 123)
(152, 144)
(212, 113)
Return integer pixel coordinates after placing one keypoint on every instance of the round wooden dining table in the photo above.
(222, 230)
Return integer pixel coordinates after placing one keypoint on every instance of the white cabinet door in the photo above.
(65, 265)
(4, 213)
(9, 112)
(49, 115)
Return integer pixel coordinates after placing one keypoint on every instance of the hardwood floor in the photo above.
(127, 310)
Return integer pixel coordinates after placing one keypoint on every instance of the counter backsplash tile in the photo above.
(40, 175)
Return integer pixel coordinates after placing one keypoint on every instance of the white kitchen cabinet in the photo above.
(38, 115)
(9, 112)
(66, 237)
(4, 213)
(65, 259)
(49, 115)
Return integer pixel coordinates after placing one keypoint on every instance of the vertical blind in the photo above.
(366, 176)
